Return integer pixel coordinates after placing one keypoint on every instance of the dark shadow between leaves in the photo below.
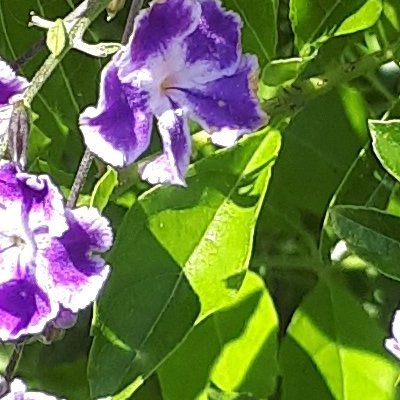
(301, 379)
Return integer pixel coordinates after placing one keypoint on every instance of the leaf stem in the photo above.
(76, 24)
(292, 99)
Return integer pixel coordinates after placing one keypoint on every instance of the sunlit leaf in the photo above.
(334, 351)
(230, 348)
(180, 254)
(386, 143)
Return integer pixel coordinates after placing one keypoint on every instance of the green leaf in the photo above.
(372, 234)
(364, 18)
(260, 30)
(180, 254)
(334, 351)
(315, 20)
(243, 335)
(104, 188)
(315, 141)
(386, 144)
(280, 71)
(56, 38)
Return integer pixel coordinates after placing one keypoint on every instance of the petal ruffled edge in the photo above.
(71, 274)
(154, 32)
(213, 49)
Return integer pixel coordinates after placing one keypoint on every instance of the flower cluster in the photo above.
(17, 391)
(47, 267)
(183, 60)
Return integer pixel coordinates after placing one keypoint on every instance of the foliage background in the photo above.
(196, 308)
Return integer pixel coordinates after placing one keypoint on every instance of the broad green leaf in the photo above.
(260, 30)
(386, 144)
(364, 18)
(315, 20)
(180, 254)
(334, 351)
(104, 188)
(56, 38)
(372, 234)
(280, 71)
(235, 348)
(314, 159)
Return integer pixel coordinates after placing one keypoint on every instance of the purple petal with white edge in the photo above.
(157, 27)
(227, 107)
(43, 204)
(213, 49)
(30, 200)
(171, 166)
(10, 83)
(25, 309)
(72, 274)
(117, 130)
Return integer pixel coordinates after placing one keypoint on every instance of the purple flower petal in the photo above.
(25, 309)
(65, 319)
(118, 129)
(72, 274)
(10, 83)
(171, 166)
(36, 202)
(227, 107)
(157, 27)
(213, 49)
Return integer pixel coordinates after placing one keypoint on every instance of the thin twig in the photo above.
(29, 54)
(136, 5)
(80, 178)
(13, 362)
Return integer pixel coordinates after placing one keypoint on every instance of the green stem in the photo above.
(76, 23)
(292, 99)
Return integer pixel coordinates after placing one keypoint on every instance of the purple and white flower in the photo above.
(17, 391)
(183, 61)
(11, 85)
(47, 260)
(393, 343)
